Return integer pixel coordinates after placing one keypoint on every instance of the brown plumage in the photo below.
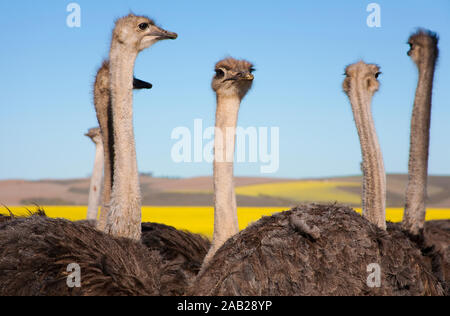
(316, 250)
(4, 218)
(182, 253)
(35, 253)
(179, 253)
(437, 236)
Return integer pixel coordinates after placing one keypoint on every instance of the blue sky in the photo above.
(300, 50)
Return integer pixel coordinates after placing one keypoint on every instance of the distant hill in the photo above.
(198, 191)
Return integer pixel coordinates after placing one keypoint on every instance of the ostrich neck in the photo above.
(104, 115)
(124, 219)
(374, 177)
(96, 183)
(108, 139)
(416, 192)
(225, 212)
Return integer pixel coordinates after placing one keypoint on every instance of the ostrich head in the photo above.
(362, 74)
(424, 46)
(233, 77)
(95, 135)
(139, 32)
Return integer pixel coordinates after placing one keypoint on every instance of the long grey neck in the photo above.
(104, 115)
(108, 138)
(96, 182)
(416, 192)
(374, 177)
(124, 218)
(225, 211)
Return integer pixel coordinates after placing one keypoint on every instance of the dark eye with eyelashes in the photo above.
(378, 74)
(252, 70)
(143, 26)
(220, 73)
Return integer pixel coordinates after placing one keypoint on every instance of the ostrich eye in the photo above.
(220, 73)
(377, 74)
(252, 70)
(143, 26)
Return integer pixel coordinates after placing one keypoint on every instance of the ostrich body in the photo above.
(315, 250)
(437, 236)
(360, 85)
(424, 52)
(109, 266)
(182, 255)
(102, 102)
(4, 218)
(231, 83)
(175, 256)
(95, 189)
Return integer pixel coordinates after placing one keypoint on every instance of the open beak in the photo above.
(163, 34)
(139, 84)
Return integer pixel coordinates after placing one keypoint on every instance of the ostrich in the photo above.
(124, 218)
(97, 174)
(319, 249)
(424, 52)
(109, 265)
(360, 85)
(102, 102)
(231, 83)
(183, 252)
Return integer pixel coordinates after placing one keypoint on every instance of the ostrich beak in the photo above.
(139, 84)
(163, 34)
(248, 77)
(242, 77)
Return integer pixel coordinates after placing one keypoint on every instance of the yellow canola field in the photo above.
(301, 191)
(200, 219)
